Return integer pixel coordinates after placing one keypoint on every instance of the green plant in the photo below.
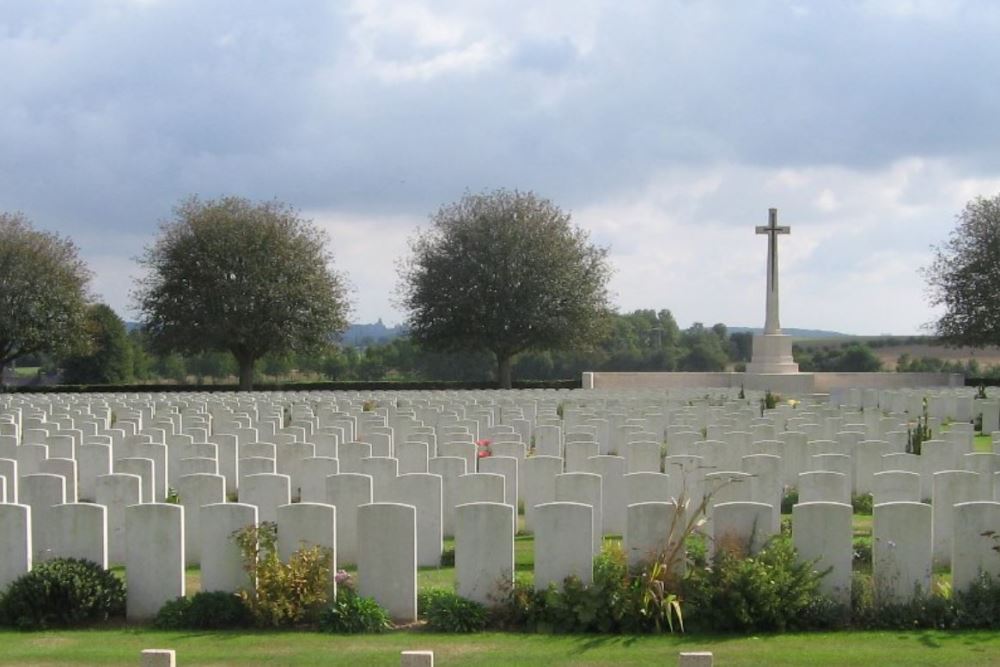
(743, 393)
(919, 434)
(862, 503)
(862, 554)
(978, 606)
(285, 593)
(352, 614)
(789, 500)
(173, 497)
(445, 611)
(215, 610)
(770, 591)
(769, 402)
(448, 557)
(63, 592)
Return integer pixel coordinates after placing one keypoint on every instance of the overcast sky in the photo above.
(667, 129)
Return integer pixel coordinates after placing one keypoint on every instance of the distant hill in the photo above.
(795, 333)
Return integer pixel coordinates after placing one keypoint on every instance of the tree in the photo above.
(108, 358)
(247, 278)
(505, 272)
(964, 277)
(43, 292)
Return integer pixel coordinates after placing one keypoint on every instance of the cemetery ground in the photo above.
(119, 643)
(840, 649)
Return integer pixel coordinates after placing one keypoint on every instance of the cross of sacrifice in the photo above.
(771, 323)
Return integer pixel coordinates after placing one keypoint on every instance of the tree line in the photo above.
(501, 283)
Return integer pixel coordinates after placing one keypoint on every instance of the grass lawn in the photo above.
(865, 649)
(983, 443)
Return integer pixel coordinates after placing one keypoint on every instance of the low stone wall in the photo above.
(825, 382)
(804, 383)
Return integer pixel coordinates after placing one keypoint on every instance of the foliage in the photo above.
(963, 276)
(616, 601)
(285, 593)
(770, 591)
(862, 503)
(215, 610)
(445, 611)
(352, 614)
(246, 278)
(108, 357)
(789, 500)
(979, 605)
(63, 592)
(847, 357)
(970, 368)
(919, 434)
(769, 401)
(706, 349)
(504, 271)
(43, 292)
(448, 557)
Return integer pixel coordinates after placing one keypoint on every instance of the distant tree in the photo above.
(108, 358)
(43, 292)
(703, 350)
(845, 358)
(740, 346)
(964, 277)
(247, 278)
(504, 271)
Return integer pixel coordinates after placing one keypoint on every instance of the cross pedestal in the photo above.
(772, 350)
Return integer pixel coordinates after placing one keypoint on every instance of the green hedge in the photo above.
(290, 386)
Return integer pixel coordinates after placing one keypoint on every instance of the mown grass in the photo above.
(841, 649)
(983, 443)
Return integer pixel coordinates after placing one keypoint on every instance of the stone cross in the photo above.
(771, 323)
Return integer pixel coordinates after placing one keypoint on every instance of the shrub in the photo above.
(352, 614)
(770, 591)
(862, 503)
(616, 601)
(789, 500)
(862, 558)
(285, 593)
(447, 612)
(448, 557)
(63, 592)
(216, 610)
(979, 605)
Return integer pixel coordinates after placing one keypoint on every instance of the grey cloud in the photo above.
(113, 111)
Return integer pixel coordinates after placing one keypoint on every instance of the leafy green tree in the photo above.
(704, 350)
(247, 278)
(108, 359)
(504, 271)
(43, 292)
(964, 277)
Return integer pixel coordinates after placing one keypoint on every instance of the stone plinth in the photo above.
(772, 353)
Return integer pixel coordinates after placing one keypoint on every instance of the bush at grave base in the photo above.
(63, 592)
(862, 503)
(616, 602)
(977, 607)
(445, 611)
(789, 500)
(352, 614)
(770, 591)
(216, 610)
(285, 594)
